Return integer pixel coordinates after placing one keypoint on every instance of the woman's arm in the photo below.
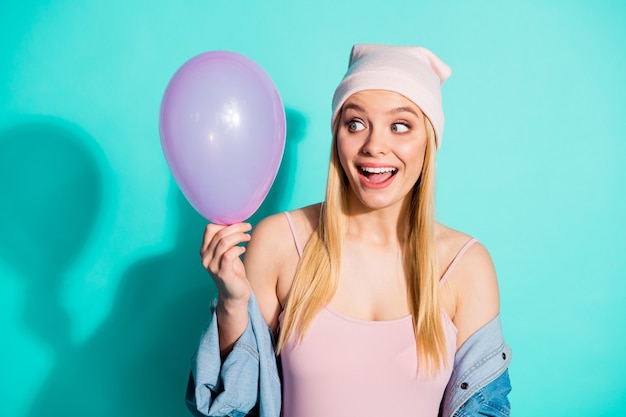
(270, 257)
(476, 292)
(242, 338)
(268, 248)
(482, 353)
(479, 384)
(220, 252)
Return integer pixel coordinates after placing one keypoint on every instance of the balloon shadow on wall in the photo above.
(137, 363)
(51, 191)
(283, 184)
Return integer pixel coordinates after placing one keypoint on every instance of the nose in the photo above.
(376, 143)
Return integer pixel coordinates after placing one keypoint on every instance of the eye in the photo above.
(400, 127)
(355, 125)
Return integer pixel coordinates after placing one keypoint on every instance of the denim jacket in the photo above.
(247, 383)
(479, 384)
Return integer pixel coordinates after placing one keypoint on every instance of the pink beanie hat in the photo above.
(413, 71)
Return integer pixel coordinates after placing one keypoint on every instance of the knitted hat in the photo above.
(413, 71)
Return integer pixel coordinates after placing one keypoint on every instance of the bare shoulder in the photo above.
(472, 285)
(270, 231)
(305, 221)
(450, 242)
(274, 233)
(271, 259)
(270, 242)
(263, 260)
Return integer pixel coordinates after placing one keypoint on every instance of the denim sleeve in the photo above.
(223, 389)
(491, 400)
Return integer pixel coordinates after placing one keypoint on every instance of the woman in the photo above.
(378, 309)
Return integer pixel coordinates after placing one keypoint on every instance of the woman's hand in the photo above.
(220, 252)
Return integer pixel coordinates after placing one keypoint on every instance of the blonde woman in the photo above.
(372, 306)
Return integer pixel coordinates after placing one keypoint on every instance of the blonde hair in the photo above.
(317, 275)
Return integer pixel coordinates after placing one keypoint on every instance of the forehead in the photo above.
(380, 101)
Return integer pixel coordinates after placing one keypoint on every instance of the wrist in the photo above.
(232, 306)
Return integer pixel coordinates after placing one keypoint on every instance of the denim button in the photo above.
(464, 385)
(503, 355)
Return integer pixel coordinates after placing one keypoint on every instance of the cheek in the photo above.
(345, 153)
(414, 152)
(415, 159)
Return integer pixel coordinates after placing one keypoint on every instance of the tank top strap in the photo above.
(293, 233)
(456, 260)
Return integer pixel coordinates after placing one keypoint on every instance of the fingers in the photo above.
(228, 257)
(219, 245)
(216, 232)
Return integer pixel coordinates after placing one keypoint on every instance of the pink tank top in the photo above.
(350, 367)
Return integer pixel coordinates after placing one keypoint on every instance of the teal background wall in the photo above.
(102, 294)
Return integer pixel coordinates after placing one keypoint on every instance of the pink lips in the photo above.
(376, 176)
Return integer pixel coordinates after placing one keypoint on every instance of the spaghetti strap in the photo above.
(293, 232)
(456, 260)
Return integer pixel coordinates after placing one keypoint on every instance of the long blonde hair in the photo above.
(317, 275)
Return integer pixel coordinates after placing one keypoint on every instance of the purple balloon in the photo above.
(222, 126)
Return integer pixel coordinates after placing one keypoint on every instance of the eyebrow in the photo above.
(353, 106)
(404, 109)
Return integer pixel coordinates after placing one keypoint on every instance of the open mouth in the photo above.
(377, 175)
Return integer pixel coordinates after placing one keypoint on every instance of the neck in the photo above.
(385, 226)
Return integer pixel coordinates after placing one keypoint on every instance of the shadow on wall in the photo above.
(51, 193)
(137, 363)
(283, 184)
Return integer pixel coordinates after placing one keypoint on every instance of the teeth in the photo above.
(373, 170)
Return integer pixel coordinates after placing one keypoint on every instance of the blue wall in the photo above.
(103, 296)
